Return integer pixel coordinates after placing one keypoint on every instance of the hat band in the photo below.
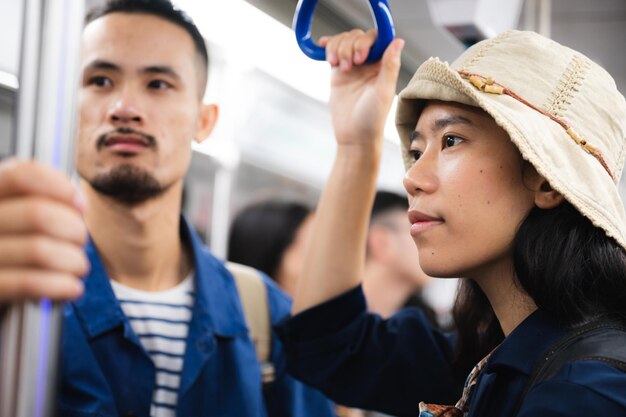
(488, 85)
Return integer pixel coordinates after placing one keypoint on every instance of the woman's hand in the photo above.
(361, 94)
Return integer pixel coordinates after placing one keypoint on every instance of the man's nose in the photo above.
(124, 111)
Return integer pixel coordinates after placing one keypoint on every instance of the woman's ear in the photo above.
(547, 197)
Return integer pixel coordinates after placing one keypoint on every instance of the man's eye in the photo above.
(100, 81)
(159, 85)
(450, 141)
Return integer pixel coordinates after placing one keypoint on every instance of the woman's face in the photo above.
(466, 192)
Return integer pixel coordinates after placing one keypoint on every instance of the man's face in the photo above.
(139, 105)
(401, 254)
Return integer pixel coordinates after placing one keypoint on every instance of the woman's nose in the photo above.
(421, 176)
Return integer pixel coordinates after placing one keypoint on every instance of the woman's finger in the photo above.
(345, 48)
(390, 67)
(362, 46)
(332, 46)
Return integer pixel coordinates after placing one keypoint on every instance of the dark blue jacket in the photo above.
(106, 372)
(360, 360)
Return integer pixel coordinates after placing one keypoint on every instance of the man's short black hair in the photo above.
(386, 201)
(160, 8)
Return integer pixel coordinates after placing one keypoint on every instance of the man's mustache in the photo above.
(102, 139)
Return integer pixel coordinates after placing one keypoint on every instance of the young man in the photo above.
(392, 278)
(159, 330)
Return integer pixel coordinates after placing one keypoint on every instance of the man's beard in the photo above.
(127, 184)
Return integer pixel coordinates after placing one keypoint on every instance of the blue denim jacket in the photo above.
(106, 372)
(360, 360)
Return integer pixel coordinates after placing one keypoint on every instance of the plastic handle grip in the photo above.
(304, 17)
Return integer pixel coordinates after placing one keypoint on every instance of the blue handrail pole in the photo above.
(303, 19)
(43, 130)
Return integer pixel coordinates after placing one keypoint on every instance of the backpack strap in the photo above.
(600, 340)
(253, 296)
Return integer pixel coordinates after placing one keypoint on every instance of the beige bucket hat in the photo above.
(562, 110)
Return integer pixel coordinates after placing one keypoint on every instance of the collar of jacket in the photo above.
(216, 307)
(525, 345)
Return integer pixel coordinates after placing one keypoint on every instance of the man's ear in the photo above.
(547, 197)
(206, 122)
(378, 243)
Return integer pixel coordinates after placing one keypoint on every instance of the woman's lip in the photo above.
(421, 222)
(417, 216)
(421, 226)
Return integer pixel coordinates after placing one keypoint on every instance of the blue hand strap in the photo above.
(304, 17)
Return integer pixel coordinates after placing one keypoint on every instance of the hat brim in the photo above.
(540, 140)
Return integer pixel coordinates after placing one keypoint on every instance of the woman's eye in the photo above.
(450, 141)
(159, 85)
(415, 154)
(100, 81)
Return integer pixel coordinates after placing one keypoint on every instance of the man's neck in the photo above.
(385, 293)
(140, 245)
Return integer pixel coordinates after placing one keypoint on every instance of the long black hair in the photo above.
(570, 268)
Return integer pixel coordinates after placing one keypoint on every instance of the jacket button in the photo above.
(130, 414)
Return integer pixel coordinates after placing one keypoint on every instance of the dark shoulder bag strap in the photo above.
(598, 340)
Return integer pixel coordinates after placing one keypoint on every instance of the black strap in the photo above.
(601, 340)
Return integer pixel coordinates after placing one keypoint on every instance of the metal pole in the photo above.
(538, 16)
(220, 219)
(44, 130)
(544, 26)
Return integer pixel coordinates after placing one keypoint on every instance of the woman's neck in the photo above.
(509, 302)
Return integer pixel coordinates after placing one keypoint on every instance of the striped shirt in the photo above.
(160, 319)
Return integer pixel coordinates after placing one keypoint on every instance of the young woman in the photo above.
(513, 154)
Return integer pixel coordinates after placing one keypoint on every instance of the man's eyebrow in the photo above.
(102, 65)
(161, 69)
(99, 64)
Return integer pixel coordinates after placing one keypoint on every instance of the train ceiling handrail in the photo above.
(303, 19)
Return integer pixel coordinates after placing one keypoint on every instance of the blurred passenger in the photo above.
(271, 236)
(393, 278)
